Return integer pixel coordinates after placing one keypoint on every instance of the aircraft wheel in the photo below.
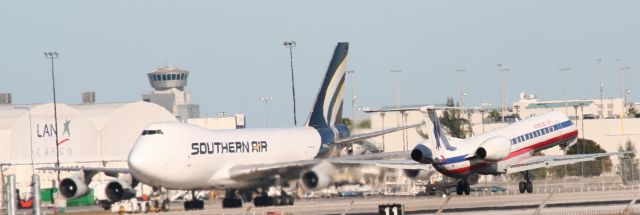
(521, 186)
(467, 188)
(230, 203)
(277, 200)
(459, 189)
(284, 200)
(291, 200)
(529, 187)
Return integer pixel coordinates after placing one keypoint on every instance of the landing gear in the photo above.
(526, 185)
(231, 200)
(194, 203)
(265, 200)
(463, 187)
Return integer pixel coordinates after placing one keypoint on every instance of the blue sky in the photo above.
(235, 53)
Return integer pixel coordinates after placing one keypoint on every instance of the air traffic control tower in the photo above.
(168, 84)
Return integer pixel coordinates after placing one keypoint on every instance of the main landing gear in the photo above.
(231, 200)
(265, 200)
(194, 203)
(463, 187)
(526, 185)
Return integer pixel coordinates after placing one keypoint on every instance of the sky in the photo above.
(234, 50)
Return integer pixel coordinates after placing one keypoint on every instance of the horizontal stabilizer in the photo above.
(359, 137)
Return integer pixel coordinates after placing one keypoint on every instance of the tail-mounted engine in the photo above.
(494, 149)
(422, 154)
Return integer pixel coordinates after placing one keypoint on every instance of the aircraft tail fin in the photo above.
(327, 109)
(437, 138)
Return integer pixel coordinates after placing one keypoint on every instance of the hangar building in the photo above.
(89, 135)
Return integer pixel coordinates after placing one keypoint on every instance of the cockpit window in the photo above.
(151, 132)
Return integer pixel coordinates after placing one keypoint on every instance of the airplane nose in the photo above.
(139, 161)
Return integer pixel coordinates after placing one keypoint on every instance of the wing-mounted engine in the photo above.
(494, 149)
(319, 177)
(422, 154)
(77, 185)
(121, 188)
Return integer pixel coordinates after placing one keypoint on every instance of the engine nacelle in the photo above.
(319, 177)
(120, 189)
(422, 154)
(494, 149)
(73, 187)
(416, 174)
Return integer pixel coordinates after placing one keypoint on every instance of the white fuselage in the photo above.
(185, 156)
(526, 136)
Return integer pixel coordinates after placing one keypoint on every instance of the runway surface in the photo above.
(559, 203)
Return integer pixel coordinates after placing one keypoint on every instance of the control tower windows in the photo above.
(173, 77)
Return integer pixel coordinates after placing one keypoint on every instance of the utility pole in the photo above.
(564, 81)
(353, 95)
(602, 106)
(290, 45)
(52, 56)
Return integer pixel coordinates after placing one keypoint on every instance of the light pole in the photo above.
(503, 89)
(601, 88)
(265, 100)
(52, 56)
(564, 81)
(353, 95)
(623, 70)
(484, 105)
(290, 45)
(462, 94)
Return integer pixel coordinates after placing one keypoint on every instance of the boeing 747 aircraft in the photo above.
(187, 157)
(504, 150)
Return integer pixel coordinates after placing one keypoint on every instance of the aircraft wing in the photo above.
(294, 169)
(555, 160)
(359, 137)
(109, 171)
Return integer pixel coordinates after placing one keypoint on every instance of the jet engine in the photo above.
(494, 149)
(422, 154)
(319, 177)
(417, 174)
(122, 188)
(74, 186)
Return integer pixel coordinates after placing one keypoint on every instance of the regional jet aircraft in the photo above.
(504, 150)
(187, 157)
